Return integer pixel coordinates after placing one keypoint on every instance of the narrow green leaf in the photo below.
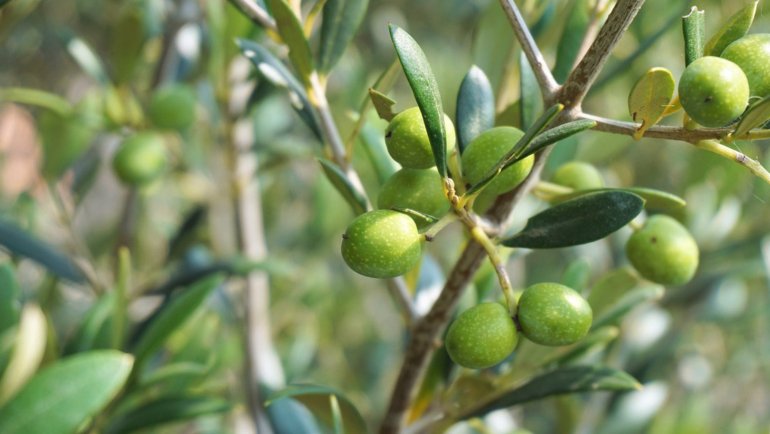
(597, 340)
(10, 304)
(553, 135)
(179, 371)
(87, 59)
(570, 379)
(427, 218)
(172, 316)
(62, 397)
(732, 30)
(342, 183)
(37, 98)
(94, 332)
(28, 350)
(316, 399)
(293, 36)
(693, 25)
(274, 71)
(425, 90)
(165, 410)
(530, 100)
(341, 19)
(475, 107)
(578, 221)
(755, 116)
(627, 302)
(338, 424)
(383, 104)
(571, 38)
(21, 243)
(650, 97)
(653, 199)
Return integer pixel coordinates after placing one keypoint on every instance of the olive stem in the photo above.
(724, 151)
(548, 191)
(497, 262)
(437, 227)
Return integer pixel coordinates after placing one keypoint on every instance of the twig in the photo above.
(585, 73)
(658, 131)
(754, 166)
(256, 13)
(545, 79)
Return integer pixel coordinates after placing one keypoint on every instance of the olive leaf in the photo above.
(755, 116)
(425, 89)
(627, 302)
(383, 104)
(693, 25)
(578, 221)
(475, 107)
(735, 28)
(572, 38)
(342, 183)
(20, 242)
(530, 101)
(653, 199)
(316, 399)
(553, 135)
(87, 59)
(341, 19)
(290, 30)
(649, 98)
(166, 409)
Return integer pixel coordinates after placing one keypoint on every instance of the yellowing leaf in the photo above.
(650, 97)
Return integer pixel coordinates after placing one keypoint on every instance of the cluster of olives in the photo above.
(547, 313)
(714, 91)
(387, 243)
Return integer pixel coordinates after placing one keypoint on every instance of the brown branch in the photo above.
(583, 76)
(658, 132)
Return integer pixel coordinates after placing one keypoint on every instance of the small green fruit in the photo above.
(482, 336)
(752, 54)
(140, 159)
(486, 150)
(663, 251)
(407, 139)
(713, 91)
(553, 314)
(173, 107)
(417, 189)
(382, 244)
(578, 175)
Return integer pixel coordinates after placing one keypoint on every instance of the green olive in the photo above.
(663, 251)
(172, 107)
(140, 159)
(417, 189)
(382, 244)
(486, 150)
(482, 336)
(407, 139)
(553, 314)
(713, 91)
(578, 175)
(752, 54)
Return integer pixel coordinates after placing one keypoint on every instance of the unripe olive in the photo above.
(553, 314)
(172, 107)
(578, 175)
(482, 336)
(752, 54)
(713, 91)
(417, 189)
(663, 251)
(408, 142)
(382, 243)
(486, 150)
(141, 158)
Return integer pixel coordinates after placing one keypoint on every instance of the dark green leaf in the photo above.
(316, 398)
(383, 104)
(165, 410)
(62, 397)
(274, 71)
(37, 98)
(735, 28)
(627, 302)
(572, 38)
(755, 116)
(653, 199)
(172, 316)
(693, 25)
(475, 107)
(19, 242)
(341, 182)
(530, 101)
(425, 90)
(578, 221)
(10, 304)
(293, 36)
(94, 330)
(341, 19)
(552, 136)
(571, 379)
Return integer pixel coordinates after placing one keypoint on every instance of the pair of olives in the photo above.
(714, 91)
(548, 313)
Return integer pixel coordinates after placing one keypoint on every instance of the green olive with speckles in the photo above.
(416, 189)
(382, 244)
(578, 175)
(485, 151)
(407, 139)
(482, 336)
(752, 54)
(713, 91)
(553, 314)
(663, 251)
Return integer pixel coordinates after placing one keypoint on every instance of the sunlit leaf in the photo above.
(732, 30)
(316, 399)
(341, 19)
(28, 350)
(166, 409)
(578, 221)
(62, 397)
(754, 117)
(649, 98)
(21, 243)
(290, 29)
(475, 107)
(425, 89)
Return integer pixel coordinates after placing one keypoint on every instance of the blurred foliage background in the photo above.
(701, 351)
